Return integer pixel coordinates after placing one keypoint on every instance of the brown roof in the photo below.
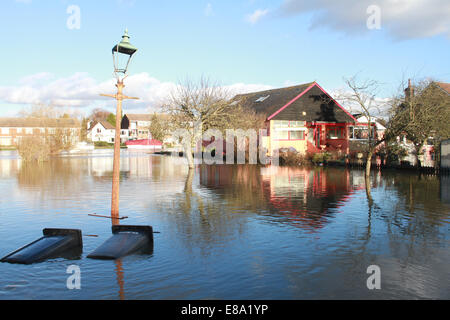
(106, 124)
(138, 117)
(444, 86)
(305, 102)
(39, 123)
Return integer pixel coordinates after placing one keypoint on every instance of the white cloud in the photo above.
(208, 10)
(403, 19)
(80, 90)
(256, 15)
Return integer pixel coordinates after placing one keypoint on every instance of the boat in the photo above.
(144, 144)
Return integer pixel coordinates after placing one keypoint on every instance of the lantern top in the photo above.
(125, 46)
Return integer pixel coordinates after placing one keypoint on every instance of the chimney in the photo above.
(409, 91)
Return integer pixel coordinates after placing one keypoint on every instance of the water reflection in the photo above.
(307, 198)
(231, 231)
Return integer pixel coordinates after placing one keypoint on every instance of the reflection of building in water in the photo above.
(303, 196)
(445, 188)
(136, 165)
(9, 167)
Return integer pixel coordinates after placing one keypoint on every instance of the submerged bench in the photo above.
(55, 243)
(125, 240)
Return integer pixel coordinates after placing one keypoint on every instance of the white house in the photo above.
(101, 131)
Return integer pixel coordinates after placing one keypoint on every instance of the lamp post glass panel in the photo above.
(122, 54)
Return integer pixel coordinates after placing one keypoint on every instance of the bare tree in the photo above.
(159, 127)
(363, 94)
(198, 106)
(98, 114)
(58, 132)
(421, 113)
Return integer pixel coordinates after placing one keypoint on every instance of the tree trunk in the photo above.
(369, 163)
(418, 163)
(188, 151)
(367, 177)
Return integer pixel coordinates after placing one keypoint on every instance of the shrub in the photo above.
(41, 147)
(290, 157)
(103, 144)
(33, 148)
(321, 157)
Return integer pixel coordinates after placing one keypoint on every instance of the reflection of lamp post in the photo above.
(122, 55)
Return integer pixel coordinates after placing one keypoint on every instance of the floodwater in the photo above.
(229, 231)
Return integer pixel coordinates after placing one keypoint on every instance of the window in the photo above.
(296, 124)
(296, 135)
(289, 130)
(29, 130)
(335, 133)
(282, 135)
(18, 130)
(261, 99)
(360, 133)
(280, 123)
(350, 133)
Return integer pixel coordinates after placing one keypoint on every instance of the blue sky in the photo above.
(249, 45)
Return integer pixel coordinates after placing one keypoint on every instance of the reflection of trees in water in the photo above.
(202, 217)
(418, 212)
(57, 177)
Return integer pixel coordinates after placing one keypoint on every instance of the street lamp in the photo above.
(122, 54)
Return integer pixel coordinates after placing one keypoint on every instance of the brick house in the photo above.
(13, 129)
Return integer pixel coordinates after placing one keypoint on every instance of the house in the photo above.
(359, 135)
(101, 131)
(304, 117)
(14, 129)
(136, 126)
(427, 155)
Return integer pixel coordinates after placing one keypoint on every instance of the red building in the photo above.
(304, 117)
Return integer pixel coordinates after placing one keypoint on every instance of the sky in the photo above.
(59, 52)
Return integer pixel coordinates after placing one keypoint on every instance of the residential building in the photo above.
(14, 129)
(304, 117)
(101, 131)
(136, 126)
(359, 135)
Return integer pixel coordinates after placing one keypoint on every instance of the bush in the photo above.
(103, 144)
(290, 157)
(33, 149)
(321, 157)
(41, 147)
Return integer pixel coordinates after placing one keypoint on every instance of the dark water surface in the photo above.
(228, 232)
